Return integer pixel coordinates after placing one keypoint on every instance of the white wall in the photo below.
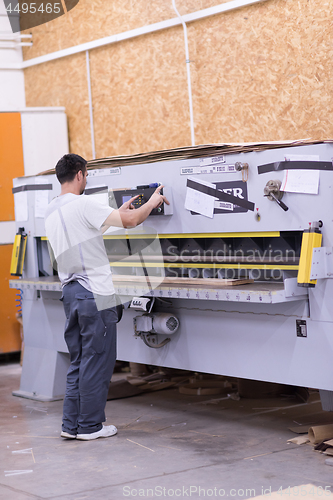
(12, 97)
(44, 130)
(11, 81)
(45, 138)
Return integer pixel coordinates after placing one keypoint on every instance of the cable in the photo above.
(19, 300)
(156, 346)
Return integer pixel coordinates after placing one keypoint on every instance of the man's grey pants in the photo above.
(90, 336)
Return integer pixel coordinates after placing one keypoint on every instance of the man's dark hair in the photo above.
(68, 166)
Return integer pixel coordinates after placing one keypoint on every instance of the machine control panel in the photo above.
(144, 193)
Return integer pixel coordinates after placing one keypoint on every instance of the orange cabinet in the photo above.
(11, 166)
(10, 339)
(11, 161)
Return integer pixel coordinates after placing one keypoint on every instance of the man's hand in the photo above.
(157, 199)
(128, 204)
(127, 217)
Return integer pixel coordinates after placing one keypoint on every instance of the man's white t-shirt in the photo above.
(73, 228)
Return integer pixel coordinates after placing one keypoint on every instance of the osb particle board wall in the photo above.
(63, 83)
(262, 72)
(93, 19)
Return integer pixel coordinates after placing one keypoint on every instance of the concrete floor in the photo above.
(167, 445)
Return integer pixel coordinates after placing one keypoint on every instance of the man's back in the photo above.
(72, 224)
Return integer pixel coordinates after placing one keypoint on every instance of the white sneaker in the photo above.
(105, 432)
(66, 435)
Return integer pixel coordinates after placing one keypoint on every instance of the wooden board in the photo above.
(190, 152)
(140, 94)
(118, 278)
(261, 72)
(92, 19)
(64, 83)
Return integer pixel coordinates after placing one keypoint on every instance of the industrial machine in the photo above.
(232, 278)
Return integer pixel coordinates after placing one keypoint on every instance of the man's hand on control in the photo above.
(157, 198)
(128, 204)
(126, 217)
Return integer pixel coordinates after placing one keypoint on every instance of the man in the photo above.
(74, 226)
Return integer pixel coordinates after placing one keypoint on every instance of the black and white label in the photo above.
(105, 171)
(301, 330)
(212, 160)
(223, 205)
(238, 189)
(208, 169)
(227, 194)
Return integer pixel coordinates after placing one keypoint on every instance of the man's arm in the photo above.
(126, 216)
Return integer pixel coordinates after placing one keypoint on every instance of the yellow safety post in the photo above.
(311, 239)
(18, 254)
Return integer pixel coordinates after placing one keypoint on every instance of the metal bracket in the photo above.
(291, 289)
(322, 263)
